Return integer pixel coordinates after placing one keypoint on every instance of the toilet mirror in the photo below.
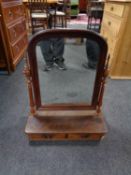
(75, 78)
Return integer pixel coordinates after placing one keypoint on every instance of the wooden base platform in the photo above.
(65, 128)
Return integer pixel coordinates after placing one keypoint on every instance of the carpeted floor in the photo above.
(112, 156)
(61, 86)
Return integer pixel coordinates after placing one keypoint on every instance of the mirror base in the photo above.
(91, 128)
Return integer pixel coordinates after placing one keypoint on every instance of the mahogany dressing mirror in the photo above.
(65, 100)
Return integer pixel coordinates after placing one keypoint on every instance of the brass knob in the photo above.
(106, 38)
(10, 13)
(109, 23)
(85, 136)
(125, 62)
(112, 8)
(17, 48)
(46, 136)
(14, 33)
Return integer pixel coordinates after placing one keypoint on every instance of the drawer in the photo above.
(16, 30)
(62, 136)
(19, 46)
(12, 13)
(116, 9)
(112, 24)
(79, 136)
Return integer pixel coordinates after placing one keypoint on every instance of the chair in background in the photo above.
(59, 14)
(39, 14)
(95, 13)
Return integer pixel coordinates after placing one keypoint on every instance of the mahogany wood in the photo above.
(66, 128)
(65, 120)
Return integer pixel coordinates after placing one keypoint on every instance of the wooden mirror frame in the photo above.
(40, 111)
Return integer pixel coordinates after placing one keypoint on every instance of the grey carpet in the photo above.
(73, 85)
(112, 156)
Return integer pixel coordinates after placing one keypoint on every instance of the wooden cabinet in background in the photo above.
(13, 33)
(4, 62)
(116, 28)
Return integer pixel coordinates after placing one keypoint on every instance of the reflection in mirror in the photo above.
(67, 69)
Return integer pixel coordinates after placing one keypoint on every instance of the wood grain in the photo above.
(66, 128)
(78, 121)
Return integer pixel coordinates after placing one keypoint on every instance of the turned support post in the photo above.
(27, 74)
(103, 82)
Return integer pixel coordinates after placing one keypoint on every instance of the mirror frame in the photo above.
(31, 71)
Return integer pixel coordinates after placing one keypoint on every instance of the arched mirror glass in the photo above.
(67, 69)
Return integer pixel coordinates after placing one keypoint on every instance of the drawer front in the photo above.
(19, 46)
(116, 9)
(12, 13)
(16, 30)
(112, 24)
(68, 136)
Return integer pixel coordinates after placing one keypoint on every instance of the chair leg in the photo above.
(55, 19)
(49, 22)
(32, 29)
(65, 22)
(62, 22)
(100, 24)
(88, 26)
(91, 23)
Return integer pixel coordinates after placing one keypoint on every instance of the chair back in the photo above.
(95, 9)
(38, 6)
(39, 14)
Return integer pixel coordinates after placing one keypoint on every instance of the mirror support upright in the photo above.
(65, 121)
(27, 74)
